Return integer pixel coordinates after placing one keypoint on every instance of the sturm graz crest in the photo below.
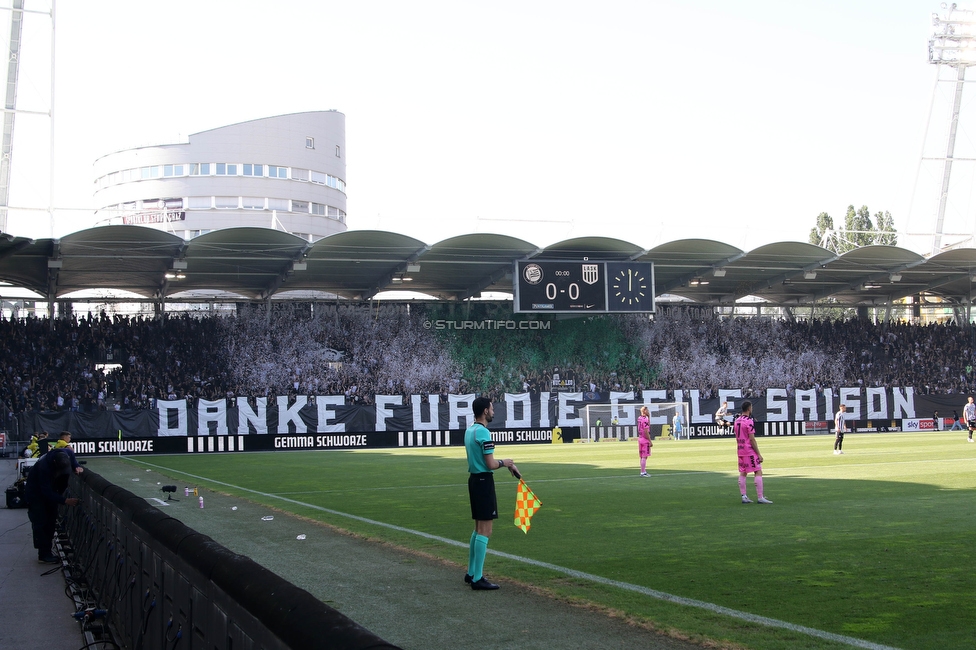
(533, 273)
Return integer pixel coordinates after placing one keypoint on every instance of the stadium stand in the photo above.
(358, 351)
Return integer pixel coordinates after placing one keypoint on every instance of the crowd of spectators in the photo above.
(360, 351)
(61, 366)
(349, 350)
(708, 354)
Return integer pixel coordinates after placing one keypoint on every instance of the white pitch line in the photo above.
(653, 593)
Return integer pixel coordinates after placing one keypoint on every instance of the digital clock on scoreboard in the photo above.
(560, 287)
(575, 286)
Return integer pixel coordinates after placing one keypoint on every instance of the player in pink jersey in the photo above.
(644, 439)
(750, 460)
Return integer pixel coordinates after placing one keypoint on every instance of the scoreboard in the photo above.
(574, 286)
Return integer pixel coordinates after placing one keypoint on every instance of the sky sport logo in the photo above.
(487, 325)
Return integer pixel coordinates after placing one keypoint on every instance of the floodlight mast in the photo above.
(953, 44)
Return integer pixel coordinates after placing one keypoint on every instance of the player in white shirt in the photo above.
(720, 417)
(839, 427)
(969, 415)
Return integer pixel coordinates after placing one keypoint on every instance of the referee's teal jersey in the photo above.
(477, 443)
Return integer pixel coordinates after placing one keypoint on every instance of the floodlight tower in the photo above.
(953, 44)
(10, 109)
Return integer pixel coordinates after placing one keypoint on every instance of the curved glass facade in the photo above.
(271, 172)
(251, 170)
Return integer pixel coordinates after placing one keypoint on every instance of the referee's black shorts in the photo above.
(481, 491)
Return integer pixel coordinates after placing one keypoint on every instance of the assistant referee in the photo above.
(481, 489)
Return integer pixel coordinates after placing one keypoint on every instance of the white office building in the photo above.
(285, 172)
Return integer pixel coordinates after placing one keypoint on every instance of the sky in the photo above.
(647, 121)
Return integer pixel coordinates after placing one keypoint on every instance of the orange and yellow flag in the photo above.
(526, 503)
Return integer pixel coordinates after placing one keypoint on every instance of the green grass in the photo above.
(877, 544)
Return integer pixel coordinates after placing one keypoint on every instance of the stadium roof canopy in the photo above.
(257, 263)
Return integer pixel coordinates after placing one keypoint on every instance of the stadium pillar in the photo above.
(862, 312)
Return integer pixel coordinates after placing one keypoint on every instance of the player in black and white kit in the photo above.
(969, 415)
(721, 416)
(839, 426)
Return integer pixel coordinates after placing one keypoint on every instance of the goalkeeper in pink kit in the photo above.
(750, 460)
(644, 439)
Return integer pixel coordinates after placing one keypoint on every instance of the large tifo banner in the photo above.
(321, 422)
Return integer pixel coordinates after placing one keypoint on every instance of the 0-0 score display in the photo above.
(574, 286)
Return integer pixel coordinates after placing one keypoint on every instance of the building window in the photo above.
(318, 177)
(281, 205)
(338, 152)
(201, 202)
(252, 203)
(224, 169)
(299, 206)
(149, 172)
(318, 208)
(299, 174)
(253, 170)
(277, 172)
(172, 170)
(200, 169)
(226, 202)
(309, 143)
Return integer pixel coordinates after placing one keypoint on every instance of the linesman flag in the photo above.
(526, 503)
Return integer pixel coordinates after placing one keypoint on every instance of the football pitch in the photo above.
(876, 545)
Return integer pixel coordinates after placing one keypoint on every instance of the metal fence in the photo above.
(162, 586)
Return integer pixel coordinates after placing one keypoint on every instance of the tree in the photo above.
(886, 224)
(825, 224)
(858, 230)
